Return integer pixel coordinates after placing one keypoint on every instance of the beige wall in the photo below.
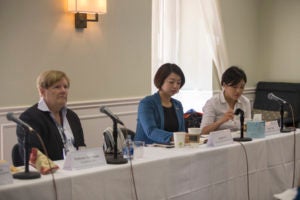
(241, 29)
(110, 59)
(280, 40)
(263, 37)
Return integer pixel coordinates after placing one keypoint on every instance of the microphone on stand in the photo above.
(106, 111)
(271, 96)
(240, 112)
(115, 159)
(11, 117)
(26, 174)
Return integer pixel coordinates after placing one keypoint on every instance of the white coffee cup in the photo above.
(179, 139)
(194, 131)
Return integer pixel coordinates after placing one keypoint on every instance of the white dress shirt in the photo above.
(216, 107)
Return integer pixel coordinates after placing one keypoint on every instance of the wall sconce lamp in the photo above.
(82, 8)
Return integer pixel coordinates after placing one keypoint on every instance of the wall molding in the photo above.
(92, 120)
(81, 105)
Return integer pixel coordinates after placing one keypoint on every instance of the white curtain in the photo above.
(167, 30)
(214, 26)
(189, 33)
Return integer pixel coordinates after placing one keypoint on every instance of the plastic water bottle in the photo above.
(128, 148)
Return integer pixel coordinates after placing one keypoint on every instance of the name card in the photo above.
(86, 158)
(219, 138)
(272, 128)
(5, 175)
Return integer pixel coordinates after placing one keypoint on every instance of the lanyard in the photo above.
(62, 134)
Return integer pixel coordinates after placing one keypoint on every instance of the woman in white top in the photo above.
(218, 112)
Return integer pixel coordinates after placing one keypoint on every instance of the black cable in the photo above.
(294, 152)
(51, 171)
(131, 167)
(247, 169)
(133, 179)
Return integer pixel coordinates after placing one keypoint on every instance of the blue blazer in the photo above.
(150, 121)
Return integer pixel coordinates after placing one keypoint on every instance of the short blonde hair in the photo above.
(49, 78)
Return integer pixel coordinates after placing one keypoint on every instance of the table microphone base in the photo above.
(27, 175)
(242, 139)
(116, 161)
(287, 130)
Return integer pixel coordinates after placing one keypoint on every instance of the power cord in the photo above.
(294, 152)
(51, 171)
(247, 169)
(131, 169)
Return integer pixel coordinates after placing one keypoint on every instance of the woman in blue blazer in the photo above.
(160, 115)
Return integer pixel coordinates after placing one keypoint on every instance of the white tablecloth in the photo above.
(179, 174)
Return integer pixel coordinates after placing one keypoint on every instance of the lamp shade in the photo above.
(87, 6)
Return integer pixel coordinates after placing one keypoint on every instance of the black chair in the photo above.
(108, 145)
(127, 131)
(268, 108)
(16, 157)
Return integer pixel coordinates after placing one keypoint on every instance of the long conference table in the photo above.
(187, 173)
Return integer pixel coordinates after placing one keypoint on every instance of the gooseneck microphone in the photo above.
(282, 102)
(10, 116)
(106, 111)
(26, 174)
(240, 112)
(116, 159)
(272, 96)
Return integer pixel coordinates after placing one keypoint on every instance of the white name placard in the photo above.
(272, 127)
(219, 138)
(86, 158)
(5, 175)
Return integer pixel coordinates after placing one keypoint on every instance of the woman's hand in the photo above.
(227, 116)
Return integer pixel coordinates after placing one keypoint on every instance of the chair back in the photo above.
(16, 157)
(127, 131)
(109, 142)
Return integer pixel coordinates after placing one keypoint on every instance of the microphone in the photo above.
(115, 159)
(239, 111)
(106, 111)
(10, 116)
(272, 96)
(26, 174)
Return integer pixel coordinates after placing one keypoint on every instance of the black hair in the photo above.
(164, 71)
(233, 75)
